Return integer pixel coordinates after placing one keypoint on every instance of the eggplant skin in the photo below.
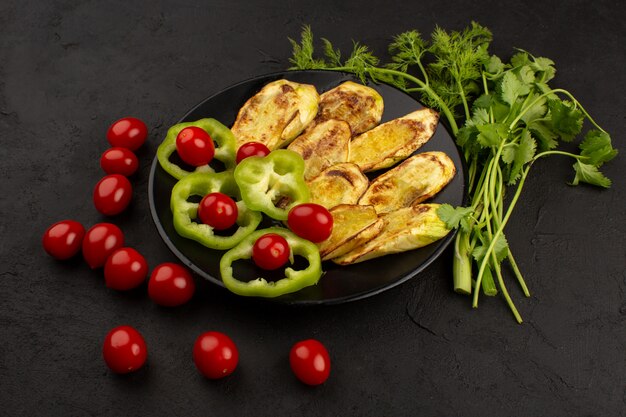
(357, 104)
(338, 184)
(404, 229)
(322, 146)
(413, 181)
(277, 114)
(392, 141)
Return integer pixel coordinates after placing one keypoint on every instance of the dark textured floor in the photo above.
(69, 68)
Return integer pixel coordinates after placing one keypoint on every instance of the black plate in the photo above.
(339, 283)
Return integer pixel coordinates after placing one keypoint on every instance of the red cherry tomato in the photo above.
(270, 251)
(215, 355)
(251, 149)
(310, 362)
(124, 350)
(310, 221)
(112, 194)
(218, 211)
(63, 239)
(170, 285)
(128, 132)
(195, 146)
(99, 242)
(125, 269)
(119, 161)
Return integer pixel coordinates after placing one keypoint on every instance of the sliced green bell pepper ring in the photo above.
(185, 212)
(223, 138)
(260, 287)
(266, 181)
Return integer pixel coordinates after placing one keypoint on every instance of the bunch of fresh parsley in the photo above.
(509, 117)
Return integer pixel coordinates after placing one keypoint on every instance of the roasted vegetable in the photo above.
(404, 229)
(416, 179)
(339, 184)
(393, 141)
(276, 114)
(322, 146)
(360, 106)
(354, 225)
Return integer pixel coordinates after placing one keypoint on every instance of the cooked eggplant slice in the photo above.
(359, 105)
(393, 141)
(353, 226)
(339, 184)
(404, 229)
(416, 179)
(322, 146)
(276, 114)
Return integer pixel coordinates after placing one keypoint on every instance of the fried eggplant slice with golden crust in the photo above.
(277, 114)
(322, 146)
(405, 229)
(339, 184)
(353, 225)
(416, 179)
(393, 141)
(358, 105)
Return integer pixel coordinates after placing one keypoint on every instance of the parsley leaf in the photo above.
(597, 148)
(500, 249)
(510, 88)
(566, 119)
(541, 130)
(590, 175)
(524, 153)
(455, 217)
(491, 134)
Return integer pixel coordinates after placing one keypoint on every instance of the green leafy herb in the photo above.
(504, 115)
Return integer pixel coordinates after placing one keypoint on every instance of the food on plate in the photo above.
(270, 251)
(99, 242)
(272, 184)
(416, 179)
(119, 161)
(357, 104)
(125, 269)
(311, 222)
(293, 279)
(276, 114)
(215, 355)
(322, 146)
(317, 186)
(63, 239)
(170, 285)
(218, 211)
(124, 350)
(127, 132)
(194, 146)
(185, 212)
(339, 184)
(404, 229)
(251, 149)
(310, 362)
(393, 141)
(354, 225)
(225, 147)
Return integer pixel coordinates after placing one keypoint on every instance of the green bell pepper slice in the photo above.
(185, 212)
(225, 146)
(266, 181)
(293, 281)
